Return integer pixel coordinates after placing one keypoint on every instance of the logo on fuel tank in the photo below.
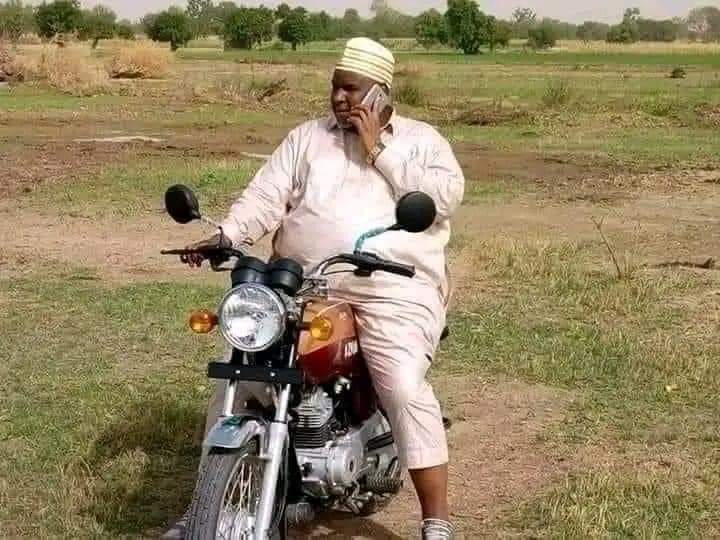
(351, 348)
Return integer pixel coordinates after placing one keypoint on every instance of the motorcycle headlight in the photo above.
(252, 317)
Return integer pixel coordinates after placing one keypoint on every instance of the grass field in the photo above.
(582, 372)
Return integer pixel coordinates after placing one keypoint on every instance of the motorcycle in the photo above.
(323, 441)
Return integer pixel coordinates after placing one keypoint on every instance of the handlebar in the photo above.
(216, 255)
(365, 263)
(368, 263)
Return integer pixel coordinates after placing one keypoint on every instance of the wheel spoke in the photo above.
(240, 501)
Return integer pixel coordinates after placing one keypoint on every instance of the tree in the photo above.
(282, 11)
(295, 28)
(247, 27)
(652, 30)
(704, 24)
(522, 20)
(430, 28)
(562, 30)
(524, 15)
(220, 14)
(628, 30)
(379, 6)
(59, 17)
(390, 23)
(125, 29)
(201, 13)
(466, 25)
(147, 22)
(593, 31)
(681, 27)
(96, 24)
(13, 20)
(172, 25)
(542, 36)
(498, 33)
(321, 26)
(351, 23)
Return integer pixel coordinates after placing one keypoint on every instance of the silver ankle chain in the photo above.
(437, 529)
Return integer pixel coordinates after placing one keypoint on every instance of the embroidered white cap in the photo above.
(367, 57)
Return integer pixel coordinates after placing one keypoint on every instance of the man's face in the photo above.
(348, 91)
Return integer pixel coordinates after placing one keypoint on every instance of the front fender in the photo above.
(234, 432)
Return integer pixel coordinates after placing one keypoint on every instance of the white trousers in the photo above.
(398, 339)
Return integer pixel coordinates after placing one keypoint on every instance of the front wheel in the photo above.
(227, 495)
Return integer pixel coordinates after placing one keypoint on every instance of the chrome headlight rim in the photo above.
(277, 303)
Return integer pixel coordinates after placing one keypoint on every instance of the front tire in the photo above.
(227, 495)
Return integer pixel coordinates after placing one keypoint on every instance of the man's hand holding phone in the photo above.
(366, 118)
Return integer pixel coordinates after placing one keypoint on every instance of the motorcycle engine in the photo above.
(313, 415)
(331, 464)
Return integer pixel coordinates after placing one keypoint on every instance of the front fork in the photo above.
(277, 436)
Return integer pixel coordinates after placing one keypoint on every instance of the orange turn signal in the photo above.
(203, 321)
(321, 328)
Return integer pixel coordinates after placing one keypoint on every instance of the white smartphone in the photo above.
(376, 99)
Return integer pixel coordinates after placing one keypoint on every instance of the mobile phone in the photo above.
(376, 99)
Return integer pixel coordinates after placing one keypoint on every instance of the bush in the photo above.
(557, 93)
(408, 91)
(68, 69)
(139, 61)
(10, 69)
(261, 89)
(660, 106)
(678, 73)
(542, 37)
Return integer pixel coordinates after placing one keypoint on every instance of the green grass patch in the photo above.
(651, 146)
(129, 190)
(560, 321)
(641, 366)
(604, 505)
(25, 98)
(102, 396)
(500, 57)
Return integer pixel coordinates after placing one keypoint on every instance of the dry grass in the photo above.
(141, 60)
(68, 69)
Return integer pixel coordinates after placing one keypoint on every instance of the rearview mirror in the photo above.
(182, 204)
(415, 213)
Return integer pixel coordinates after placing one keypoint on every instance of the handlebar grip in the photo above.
(403, 270)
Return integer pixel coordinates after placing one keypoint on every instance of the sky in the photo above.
(598, 10)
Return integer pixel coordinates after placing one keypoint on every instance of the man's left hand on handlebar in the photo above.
(195, 260)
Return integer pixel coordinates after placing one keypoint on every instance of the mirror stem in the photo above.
(367, 236)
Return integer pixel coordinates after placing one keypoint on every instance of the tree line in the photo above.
(463, 26)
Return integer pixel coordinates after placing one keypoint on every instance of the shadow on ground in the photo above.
(144, 467)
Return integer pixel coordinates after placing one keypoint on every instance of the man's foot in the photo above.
(179, 530)
(437, 529)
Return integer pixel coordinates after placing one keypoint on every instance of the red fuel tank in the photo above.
(325, 361)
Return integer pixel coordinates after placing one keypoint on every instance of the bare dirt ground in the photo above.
(498, 458)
